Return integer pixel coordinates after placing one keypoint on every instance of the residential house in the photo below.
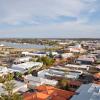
(48, 93)
(87, 92)
(24, 67)
(33, 81)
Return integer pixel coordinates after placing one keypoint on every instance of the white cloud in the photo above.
(17, 12)
(23, 10)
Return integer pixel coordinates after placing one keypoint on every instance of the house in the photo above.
(4, 71)
(67, 55)
(35, 54)
(78, 67)
(50, 73)
(85, 60)
(48, 93)
(22, 59)
(57, 73)
(98, 67)
(87, 92)
(76, 49)
(24, 67)
(97, 76)
(37, 81)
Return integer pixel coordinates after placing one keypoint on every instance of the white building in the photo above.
(87, 92)
(22, 59)
(76, 49)
(36, 54)
(23, 67)
(4, 71)
(67, 55)
(37, 81)
(77, 67)
(59, 73)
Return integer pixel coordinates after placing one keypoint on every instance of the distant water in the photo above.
(25, 45)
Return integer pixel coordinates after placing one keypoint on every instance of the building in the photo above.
(85, 60)
(35, 54)
(48, 93)
(4, 71)
(97, 76)
(98, 67)
(87, 92)
(24, 67)
(78, 67)
(76, 49)
(58, 73)
(67, 55)
(33, 81)
(22, 59)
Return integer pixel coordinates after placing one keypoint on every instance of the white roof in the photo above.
(4, 70)
(88, 92)
(85, 58)
(38, 80)
(51, 72)
(98, 66)
(66, 55)
(77, 66)
(23, 59)
(70, 76)
(33, 54)
(25, 66)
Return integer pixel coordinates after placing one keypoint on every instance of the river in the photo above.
(24, 45)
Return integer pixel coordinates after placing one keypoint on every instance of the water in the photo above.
(25, 45)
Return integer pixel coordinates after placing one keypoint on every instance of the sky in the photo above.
(50, 18)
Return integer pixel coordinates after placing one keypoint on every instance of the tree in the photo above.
(2, 80)
(8, 86)
(64, 84)
(9, 77)
(47, 61)
(18, 74)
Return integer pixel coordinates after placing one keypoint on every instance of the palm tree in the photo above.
(8, 87)
(47, 61)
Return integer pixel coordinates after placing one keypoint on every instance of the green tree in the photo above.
(8, 86)
(2, 80)
(18, 74)
(64, 84)
(47, 61)
(9, 77)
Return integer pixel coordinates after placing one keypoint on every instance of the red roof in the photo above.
(97, 75)
(45, 92)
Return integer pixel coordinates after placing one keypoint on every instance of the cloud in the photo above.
(48, 16)
(23, 10)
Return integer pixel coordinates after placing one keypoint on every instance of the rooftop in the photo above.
(48, 93)
(24, 66)
(88, 92)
